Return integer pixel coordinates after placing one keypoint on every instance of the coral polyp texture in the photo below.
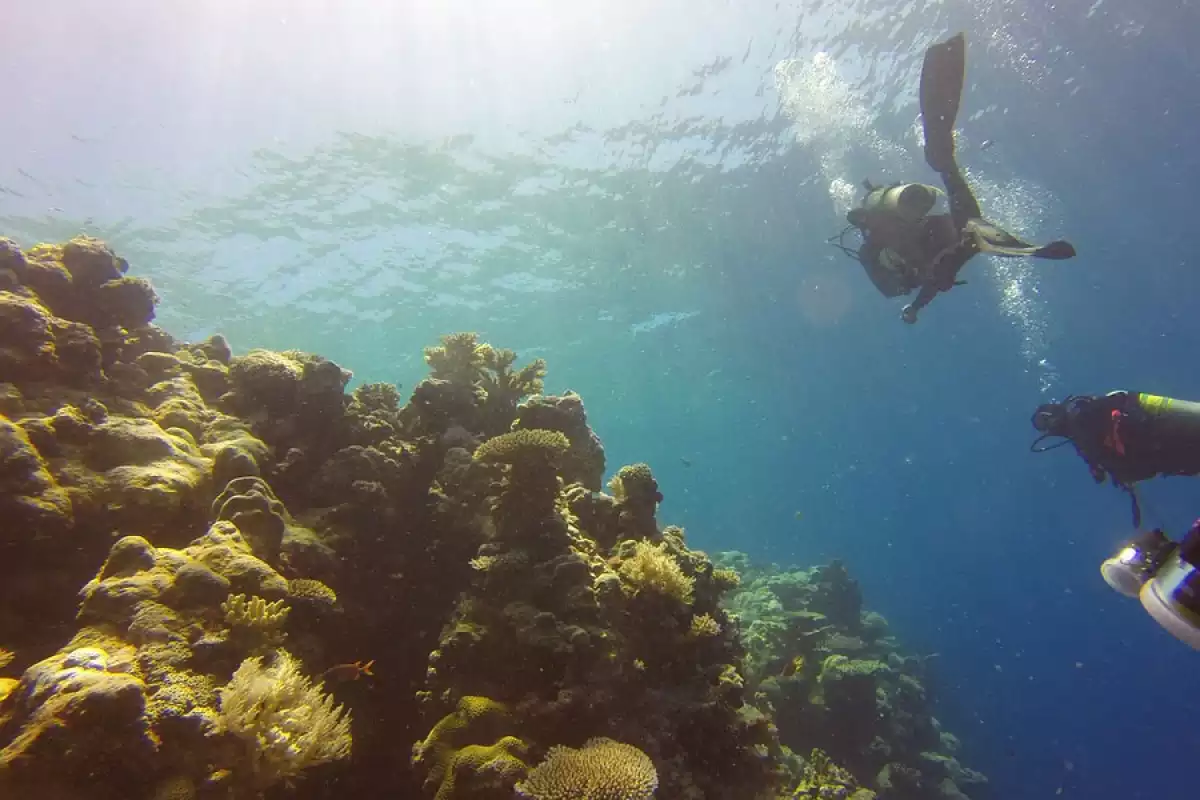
(600, 770)
(201, 549)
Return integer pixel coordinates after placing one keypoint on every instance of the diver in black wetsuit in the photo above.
(904, 246)
(1130, 437)
(1125, 436)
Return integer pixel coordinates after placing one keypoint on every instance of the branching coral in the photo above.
(601, 770)
(824, 780)
(503, 388)
(652, 569)
(256, 619)
(458, 359)
(373, 413)
(703, 626)
(726, 579)
(286, 723)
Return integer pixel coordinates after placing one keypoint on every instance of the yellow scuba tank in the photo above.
(908, 201)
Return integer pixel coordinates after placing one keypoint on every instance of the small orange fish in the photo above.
(349, 672)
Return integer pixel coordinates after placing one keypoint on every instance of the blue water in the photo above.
(639, 193)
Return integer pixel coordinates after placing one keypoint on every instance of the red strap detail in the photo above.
(1113, 439)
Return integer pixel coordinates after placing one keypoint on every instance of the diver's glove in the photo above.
(909, 314)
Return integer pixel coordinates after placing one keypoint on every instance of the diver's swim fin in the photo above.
(942, 76)
(997, 241)
(1057, 251)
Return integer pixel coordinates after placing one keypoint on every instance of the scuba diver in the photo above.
(904, 246)
(1165, 576)
(1124, 436)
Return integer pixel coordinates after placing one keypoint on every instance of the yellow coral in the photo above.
(652, 569)
(479, 766)
(499, 381)
(482, 563)
(459, 358)
(726, 579)
(602, 769)
(704, 626)
(311, 590)
(255, 613)
(6, 656)
(285, 722)
(471, 718)
(823, 778)
(523, 445)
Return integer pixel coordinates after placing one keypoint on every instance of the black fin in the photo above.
(1056, 250)
(942, 77)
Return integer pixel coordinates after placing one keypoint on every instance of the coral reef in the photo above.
(251, 540)
(835, 681)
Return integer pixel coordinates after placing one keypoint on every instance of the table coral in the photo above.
(600, 770)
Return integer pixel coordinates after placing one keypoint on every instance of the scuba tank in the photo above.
(908, 201)
(888, 210)
(1176, 420)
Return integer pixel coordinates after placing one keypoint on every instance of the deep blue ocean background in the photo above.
(639, 192)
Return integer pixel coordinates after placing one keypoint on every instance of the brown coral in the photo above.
(31, 501)
(602, 769)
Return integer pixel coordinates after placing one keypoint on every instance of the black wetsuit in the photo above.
(928, 254)
(932, 250)
(1131, 437)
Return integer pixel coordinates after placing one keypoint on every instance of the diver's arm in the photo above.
(924, 298)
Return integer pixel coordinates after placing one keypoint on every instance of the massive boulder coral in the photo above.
(80, 711)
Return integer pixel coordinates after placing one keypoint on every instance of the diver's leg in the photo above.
(963, 205)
